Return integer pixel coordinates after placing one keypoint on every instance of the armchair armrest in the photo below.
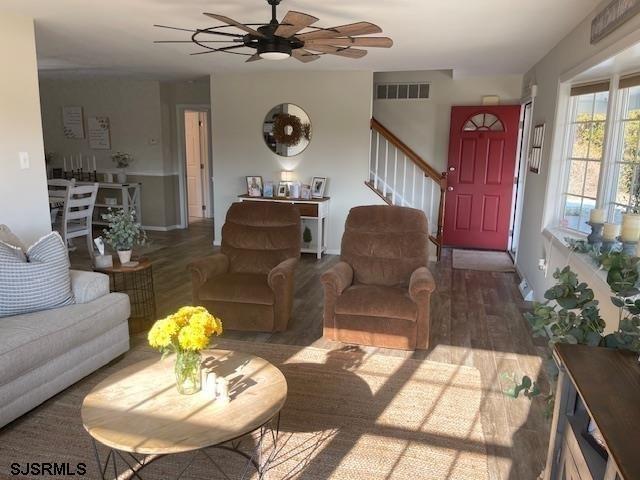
(208, 267)
(281, 273)
(421, 284)
(338, 277)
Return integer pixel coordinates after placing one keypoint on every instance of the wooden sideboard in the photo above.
(315, 209)
(602, 385)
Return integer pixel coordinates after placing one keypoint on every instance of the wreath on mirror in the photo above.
(287, 129)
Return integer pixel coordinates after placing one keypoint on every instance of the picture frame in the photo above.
(537, 144)
(267, 190)
(305, 192)
(282, 190)
(318, 185)
(254, 185)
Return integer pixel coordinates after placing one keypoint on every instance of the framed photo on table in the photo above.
(267, 191)
(318, 185)
(254, 186)
(282, 190)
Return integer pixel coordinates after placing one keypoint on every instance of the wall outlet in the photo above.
(24, 160)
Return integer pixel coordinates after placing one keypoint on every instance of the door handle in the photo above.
(450, 189)
(452, 169)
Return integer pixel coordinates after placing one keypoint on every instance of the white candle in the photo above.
(610, 232)
(222, 392)
(94, 163)
(209, 384)
(64, 160)
(597, 215)
(630, 227)
(79, 161)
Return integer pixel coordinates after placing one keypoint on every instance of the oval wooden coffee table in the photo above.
(138, 410)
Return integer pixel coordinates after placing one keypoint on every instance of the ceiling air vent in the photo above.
(402, 91)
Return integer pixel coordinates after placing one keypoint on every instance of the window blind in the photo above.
(628, 81)
(588, 88)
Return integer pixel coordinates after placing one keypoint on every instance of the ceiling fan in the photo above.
(293, 37)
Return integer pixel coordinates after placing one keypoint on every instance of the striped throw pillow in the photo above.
(36, 280)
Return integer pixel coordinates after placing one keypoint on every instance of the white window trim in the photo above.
(609, 169)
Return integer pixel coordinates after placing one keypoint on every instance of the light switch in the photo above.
(24, 160)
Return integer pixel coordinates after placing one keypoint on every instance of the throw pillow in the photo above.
(36, 280)
(7, 236)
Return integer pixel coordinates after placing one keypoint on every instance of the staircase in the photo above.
(401, 177)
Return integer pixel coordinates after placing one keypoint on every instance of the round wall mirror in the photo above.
(287, 130)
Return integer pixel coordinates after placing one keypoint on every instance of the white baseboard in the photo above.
(333, 251)
(155, 228)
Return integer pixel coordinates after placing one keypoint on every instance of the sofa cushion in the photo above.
(376, 301)
(35, 280)
(31, 340)
(238, 288)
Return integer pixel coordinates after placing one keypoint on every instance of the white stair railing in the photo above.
(400, 177)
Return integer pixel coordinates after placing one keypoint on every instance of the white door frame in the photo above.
(182, 171)
(523, 170)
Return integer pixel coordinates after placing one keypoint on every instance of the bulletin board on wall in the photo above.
(73, 122)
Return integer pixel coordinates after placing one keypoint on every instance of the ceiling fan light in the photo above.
(274, 55)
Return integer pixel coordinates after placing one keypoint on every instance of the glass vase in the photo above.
(187, 370)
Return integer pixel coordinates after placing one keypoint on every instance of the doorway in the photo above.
(194, 164)
(482, 155)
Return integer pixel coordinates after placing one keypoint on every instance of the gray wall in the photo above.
(424, 124)
(339, 105)
(23, 192)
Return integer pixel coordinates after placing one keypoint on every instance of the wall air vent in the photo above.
(402, 91)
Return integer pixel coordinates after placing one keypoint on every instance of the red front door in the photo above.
(482, 158)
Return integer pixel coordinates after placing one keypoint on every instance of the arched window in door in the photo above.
(483, 122)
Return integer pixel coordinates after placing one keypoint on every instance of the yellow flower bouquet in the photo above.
(186, 332)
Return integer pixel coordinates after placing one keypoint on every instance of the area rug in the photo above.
(482, 260)
(348, 415)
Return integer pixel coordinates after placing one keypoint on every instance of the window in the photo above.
(584, 154)
(627, 155)
(483, 121)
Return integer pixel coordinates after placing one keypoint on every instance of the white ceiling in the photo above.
(468, 36)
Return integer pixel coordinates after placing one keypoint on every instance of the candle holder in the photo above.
(628, 247)
(595, 237)
(609, 245)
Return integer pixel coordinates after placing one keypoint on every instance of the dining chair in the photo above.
(57, 194)
(77, 213)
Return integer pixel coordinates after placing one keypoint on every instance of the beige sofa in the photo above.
(44, 352)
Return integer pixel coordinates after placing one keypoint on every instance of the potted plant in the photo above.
(185, 333)
(122, 160)
(123, 233)
(306, 236)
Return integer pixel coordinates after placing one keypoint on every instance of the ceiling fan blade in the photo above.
(293, 22)
(214, 50)
(304, 56)
(342, 52)
(253, 58)
(176, 28)
(382, 42)
(191, 41)
(360, 28)
(239, 25)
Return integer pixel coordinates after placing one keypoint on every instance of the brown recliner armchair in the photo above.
(249, 285)
(379, 293)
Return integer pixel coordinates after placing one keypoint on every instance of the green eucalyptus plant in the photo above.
(570, 314)
(123, 232)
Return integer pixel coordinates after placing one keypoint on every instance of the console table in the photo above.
(129, 199)
(316, 209)
(602, 385)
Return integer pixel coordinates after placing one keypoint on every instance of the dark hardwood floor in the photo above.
(476, 321)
